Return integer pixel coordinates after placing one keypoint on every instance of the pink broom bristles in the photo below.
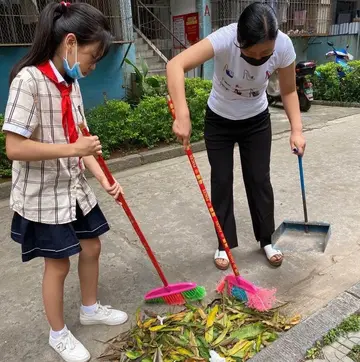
(257, 298)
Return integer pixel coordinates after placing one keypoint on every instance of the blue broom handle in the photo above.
(302, 183)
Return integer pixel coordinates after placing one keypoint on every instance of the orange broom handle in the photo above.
(206, 197)
(127, 210)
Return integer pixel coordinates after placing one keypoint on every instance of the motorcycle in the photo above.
(303, 86)
(341, 57)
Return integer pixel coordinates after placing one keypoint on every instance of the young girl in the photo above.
(245, 55)
(56, 214)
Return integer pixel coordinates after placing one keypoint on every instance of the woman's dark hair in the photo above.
(257, 24)
(57, 20)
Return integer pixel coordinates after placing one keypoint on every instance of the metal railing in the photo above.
(18, 21)
(153, 21)
(296, 17)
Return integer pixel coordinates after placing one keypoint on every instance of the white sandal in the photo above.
(270, 252)
(221, 255)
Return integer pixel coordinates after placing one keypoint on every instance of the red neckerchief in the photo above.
(68, 122)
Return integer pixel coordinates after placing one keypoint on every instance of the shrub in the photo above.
(5, 163)
(151, 121)
(197, 105)
(327, 83)
(193, 84)
(329, 87)
(110, 123)
(156, 86)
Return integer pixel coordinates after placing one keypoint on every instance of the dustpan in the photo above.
(302, 236)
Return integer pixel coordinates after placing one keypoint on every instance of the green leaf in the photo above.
(249, 331)
(133, 355)
(139, 75)
(144, 67)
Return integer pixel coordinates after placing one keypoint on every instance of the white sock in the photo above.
(89, 309)
(58, 334)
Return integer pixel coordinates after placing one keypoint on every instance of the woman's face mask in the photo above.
(255, 62)
(258, 54)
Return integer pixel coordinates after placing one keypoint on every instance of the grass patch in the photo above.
(355, 354)
(350, 324)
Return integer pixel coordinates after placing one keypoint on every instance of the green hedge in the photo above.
(149, 123)
(121, 126)
(329, 87)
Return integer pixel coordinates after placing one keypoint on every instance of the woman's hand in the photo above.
(115, 190)
(298, 143)
(182, 129)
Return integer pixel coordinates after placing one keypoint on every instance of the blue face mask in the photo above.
(75, 71)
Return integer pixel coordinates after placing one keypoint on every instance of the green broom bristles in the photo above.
(192, 295)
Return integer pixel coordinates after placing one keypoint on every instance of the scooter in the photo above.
(303, 86)
(341, 57)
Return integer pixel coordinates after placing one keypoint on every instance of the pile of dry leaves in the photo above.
(225, 326)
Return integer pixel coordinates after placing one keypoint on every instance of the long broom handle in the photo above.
(206, 197)
(127, 210)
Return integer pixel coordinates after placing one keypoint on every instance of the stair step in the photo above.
(142, 47)
(139, 41)
(151, 60)
(145, 54)
(157, 66)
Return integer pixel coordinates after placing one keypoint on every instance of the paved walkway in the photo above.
(339, 350)
(166, 200)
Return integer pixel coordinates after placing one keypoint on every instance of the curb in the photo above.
(336, 104)
(131, 161)
(292, 347)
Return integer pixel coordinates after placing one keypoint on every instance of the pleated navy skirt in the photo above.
(57, 241)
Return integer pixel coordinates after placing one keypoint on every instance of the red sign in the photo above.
(186, 29)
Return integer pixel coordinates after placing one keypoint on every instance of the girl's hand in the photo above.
(115, 190)
(298, 143)
(86, 146)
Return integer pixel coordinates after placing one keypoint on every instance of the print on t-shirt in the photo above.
(248, 76)
(227, 83)
(238, 88)
(228, 72)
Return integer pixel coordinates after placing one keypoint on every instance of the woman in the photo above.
(245, 55)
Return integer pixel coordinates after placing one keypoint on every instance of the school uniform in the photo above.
(54, 207)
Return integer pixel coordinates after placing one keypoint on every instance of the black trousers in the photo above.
(253, 136)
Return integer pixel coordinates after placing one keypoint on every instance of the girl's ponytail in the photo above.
(43, 47)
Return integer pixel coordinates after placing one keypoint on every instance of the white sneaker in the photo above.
(69, 348)
(104, 314)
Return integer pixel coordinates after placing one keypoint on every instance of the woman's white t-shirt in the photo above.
(239, 89)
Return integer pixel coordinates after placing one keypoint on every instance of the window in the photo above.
(295, 17)
(18, 19)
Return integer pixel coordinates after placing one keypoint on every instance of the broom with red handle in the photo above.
(173, 294)
(256, 298)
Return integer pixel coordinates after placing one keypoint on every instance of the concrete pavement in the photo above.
(169, 207)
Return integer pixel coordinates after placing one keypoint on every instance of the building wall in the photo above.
(108, 77)
(301, 47)
(179, 7)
